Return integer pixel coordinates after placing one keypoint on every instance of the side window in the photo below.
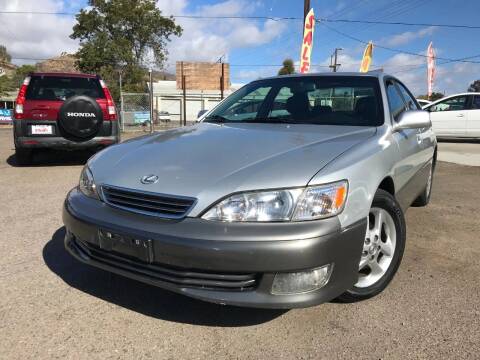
(395, 100)
(476, 102)
(411, 104)
(452, 104)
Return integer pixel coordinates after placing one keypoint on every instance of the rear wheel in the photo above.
(382, 248)
(23, 156)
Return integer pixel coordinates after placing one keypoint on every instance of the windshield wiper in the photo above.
(216, 119)
(269, 120)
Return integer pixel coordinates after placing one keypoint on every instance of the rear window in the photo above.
(62, 88)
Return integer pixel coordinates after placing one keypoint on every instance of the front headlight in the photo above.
(87, 183)
(310, 203)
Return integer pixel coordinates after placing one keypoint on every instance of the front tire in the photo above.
(382, 249)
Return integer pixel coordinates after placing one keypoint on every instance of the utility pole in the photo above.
(184, 99)
(121, 99)
(222, 81)
(306, 9)
(335, 64)
(151, 99)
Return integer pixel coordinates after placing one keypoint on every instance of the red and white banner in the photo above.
(307, 42)
(430, 69)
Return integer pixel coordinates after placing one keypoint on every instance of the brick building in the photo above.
(202, 75)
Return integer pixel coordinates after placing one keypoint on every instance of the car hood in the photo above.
(209, 161)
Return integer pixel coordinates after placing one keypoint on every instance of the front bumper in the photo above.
(223, 263)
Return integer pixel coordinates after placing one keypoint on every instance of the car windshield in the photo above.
(62, 88)
(322, 100)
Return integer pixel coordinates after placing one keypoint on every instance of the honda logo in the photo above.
(77, 114)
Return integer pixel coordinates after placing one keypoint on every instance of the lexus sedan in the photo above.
(291, 192)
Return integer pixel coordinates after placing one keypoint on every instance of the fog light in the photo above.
(301, 282)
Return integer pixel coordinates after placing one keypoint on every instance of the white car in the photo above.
(456, 116)
(423, 102)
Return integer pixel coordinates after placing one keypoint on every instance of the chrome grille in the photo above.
(147, 203)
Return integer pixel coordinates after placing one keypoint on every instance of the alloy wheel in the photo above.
(378, 247)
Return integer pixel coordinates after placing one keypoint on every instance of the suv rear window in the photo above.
(62, 88)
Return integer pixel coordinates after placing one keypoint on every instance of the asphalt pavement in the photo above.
(51, 306)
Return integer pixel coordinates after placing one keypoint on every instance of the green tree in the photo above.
(474, 87)
(4, 55)
(122, 35)
(21, 73)
(12, 83)
(288, 67)
(435, 96)
(5, 85)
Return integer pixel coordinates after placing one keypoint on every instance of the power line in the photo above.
(103, 62)
(457, 26)
(396, 50)
(283, 18)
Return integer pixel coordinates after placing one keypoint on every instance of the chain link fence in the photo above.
(134, 110)
(167, 111)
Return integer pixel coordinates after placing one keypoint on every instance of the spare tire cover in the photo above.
(80, 116)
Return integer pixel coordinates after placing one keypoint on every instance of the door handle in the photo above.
(460, 115)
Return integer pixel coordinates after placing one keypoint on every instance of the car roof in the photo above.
(63, 74)
(374, 74)
(454, 95)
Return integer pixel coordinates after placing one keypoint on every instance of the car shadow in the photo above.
(145, 299)
(47, 157)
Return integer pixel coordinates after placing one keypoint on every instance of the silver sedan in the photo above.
(291, 192)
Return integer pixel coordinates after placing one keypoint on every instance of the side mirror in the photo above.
(412, 119)
(201, 113)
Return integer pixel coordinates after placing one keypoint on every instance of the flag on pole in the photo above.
(367, 58)
(430, 69)
(307, 42)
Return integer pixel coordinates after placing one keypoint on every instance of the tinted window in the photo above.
(322, 100)
(476, 102)
(248, 105)
(395, 101)
(61, 88)
(452, 104)
(411, 104)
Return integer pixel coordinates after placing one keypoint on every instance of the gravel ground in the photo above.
(51, 306)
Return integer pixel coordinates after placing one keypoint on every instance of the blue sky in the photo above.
(247, 44)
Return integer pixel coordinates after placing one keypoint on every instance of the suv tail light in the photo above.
(112, 113)
(18, 113)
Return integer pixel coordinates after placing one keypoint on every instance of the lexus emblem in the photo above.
(149, 179)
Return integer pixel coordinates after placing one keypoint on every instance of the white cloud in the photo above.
(254, 74)
(208, 39)
(35, 36)
(408, 36)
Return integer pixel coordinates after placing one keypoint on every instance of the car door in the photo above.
(408, 162)
(473, 117)
(449, 116)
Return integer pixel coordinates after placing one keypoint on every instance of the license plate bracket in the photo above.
(139, 249)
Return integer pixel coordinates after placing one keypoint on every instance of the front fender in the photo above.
(364, 166)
